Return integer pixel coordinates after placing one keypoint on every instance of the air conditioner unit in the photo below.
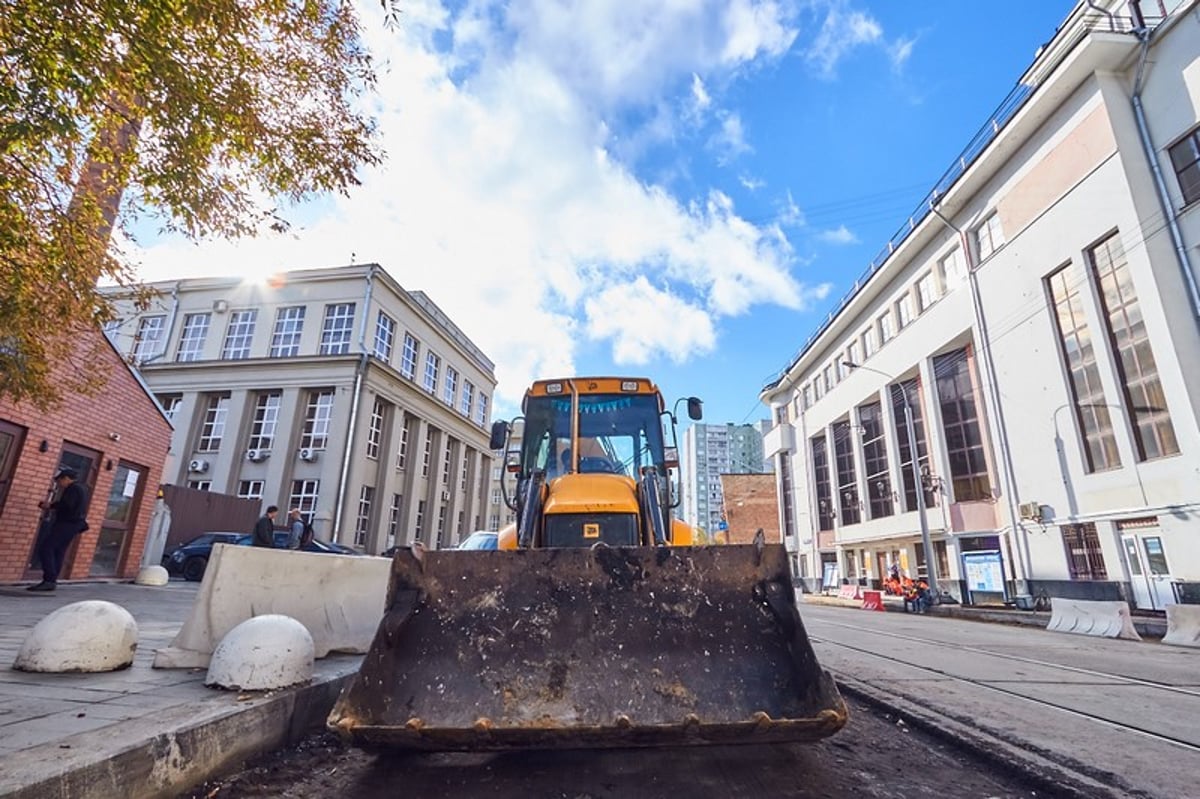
(220, 306)
(445, 496)
(1031, 511)
(198, 465)
(257, 455)
(308, 454)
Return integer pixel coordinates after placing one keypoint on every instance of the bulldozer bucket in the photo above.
(583, 648)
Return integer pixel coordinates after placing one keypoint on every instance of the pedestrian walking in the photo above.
(295, 529)
(264, 529)
(69, 512)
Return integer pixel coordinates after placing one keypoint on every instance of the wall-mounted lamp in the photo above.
(115, 436)
(44, 446)
(108, 465)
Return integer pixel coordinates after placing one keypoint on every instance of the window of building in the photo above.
(239, 335)
(170, 404)
(875, 461)
(1153, 431)
(394, 519)
(200, 485)
(441, 528)
(884, 323)
(988, 236)
(467, 397)
(446, 461)
(847, 481)
(462, 474)
(1090, 409)
(289, 324)
(362, 522)
(904, 310)
(818, 387)
(375, 430)
(212, 429)
(450, 386)
(1085, 560)
(494, 521)
(960, 421)
(807, 395)
(402, 448)
(266, 417)
(1185, 158)
(148, 341)
(385, 336)
(869, 342)
(408, 357)
(927, 291)
(852, 352)
(432, 366)
(953, 270)
(337, 329)
(419, 526)
(251, 489)
(784, 465)
(827, 377)
(898, 393)
(496, 498)
(427, 455)
(316, 419)
(304, 495)
(191, 338)
(481, 408)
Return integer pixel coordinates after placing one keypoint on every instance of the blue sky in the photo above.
(677, 189)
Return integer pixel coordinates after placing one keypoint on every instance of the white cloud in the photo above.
(751, 183)
(665, 324)
(501, 197)
(839, 235)
(729, 141)
(700, 97)
(842, 31)
(900, 51)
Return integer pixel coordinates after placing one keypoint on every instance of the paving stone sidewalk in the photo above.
(140, 731)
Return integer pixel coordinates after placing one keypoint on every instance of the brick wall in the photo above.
(121, 423)
(750, 504)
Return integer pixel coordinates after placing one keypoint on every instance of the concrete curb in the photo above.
(167, 753)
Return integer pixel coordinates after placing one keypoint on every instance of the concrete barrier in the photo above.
(88, 636)
(338, 598)
(1087, 617)
(872, 600)
(850, 592)
(1183, 626)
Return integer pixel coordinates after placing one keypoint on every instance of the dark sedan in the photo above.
(191, 559)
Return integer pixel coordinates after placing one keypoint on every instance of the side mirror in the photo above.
(499, 435)
(695, 408)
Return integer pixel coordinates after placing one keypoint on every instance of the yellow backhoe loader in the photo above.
(598, 622)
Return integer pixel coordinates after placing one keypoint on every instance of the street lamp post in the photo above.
(930, 560)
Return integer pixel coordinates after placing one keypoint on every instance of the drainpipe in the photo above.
(1020, 539)
(359, 370)
(1164, 196)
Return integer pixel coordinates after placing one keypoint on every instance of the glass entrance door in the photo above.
(1137, 573)
(1149, 572)
(119, 517)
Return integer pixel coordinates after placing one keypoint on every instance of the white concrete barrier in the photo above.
(339, 598)
(1183, 626)
(262, 654)
(152, 575)
(1089, 617)
(87, 636)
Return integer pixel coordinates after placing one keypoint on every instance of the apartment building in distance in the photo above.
(1038, 318)
(334, 390)
(710, 450)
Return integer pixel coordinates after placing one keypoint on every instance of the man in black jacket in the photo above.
(264, 529)
(69, 511)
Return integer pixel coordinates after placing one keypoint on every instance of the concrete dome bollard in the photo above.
(266, 652)
(81, 637)
(152, 575)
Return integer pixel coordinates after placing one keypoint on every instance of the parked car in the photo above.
(189, 560)
(480, 539)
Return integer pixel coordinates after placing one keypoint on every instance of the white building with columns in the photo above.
(1040, 312)
(335, 390)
